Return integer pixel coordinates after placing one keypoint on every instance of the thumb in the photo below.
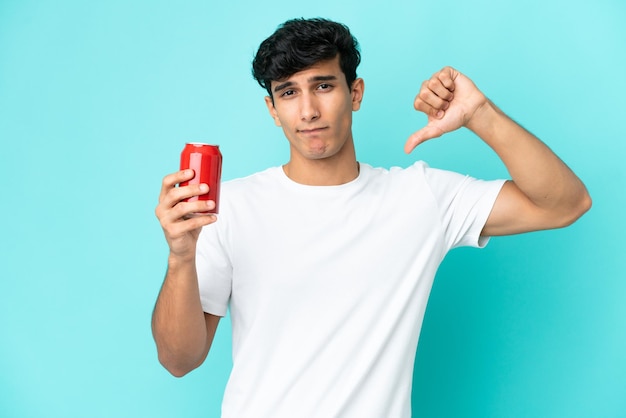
(427, 132)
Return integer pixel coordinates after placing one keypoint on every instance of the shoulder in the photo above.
(439, 183)
(250, 192)
(256, 179)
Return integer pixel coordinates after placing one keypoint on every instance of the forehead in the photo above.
(308, 75)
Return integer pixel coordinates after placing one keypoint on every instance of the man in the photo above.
(326, 263)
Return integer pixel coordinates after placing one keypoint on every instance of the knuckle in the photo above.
(180, 210)
(167, 181)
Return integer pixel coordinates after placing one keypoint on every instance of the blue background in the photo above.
(98, 98)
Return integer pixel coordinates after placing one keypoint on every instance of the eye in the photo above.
(288, 93)
(324, 86)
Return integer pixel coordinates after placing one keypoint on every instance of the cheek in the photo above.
(285, 119)
(345, 119)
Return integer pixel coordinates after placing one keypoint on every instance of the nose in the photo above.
(309, 108)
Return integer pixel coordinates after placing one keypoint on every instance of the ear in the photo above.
(358, 88)
(273, 113)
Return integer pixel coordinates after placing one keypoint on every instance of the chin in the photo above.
(317, 152)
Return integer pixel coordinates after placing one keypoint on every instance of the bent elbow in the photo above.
(178, 373)
(176, 369)
(578, 210)
(584, 205)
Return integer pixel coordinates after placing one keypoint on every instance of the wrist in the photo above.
(175, 260)
(483, 118)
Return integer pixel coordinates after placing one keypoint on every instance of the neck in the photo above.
(333, 170)
(321, 173)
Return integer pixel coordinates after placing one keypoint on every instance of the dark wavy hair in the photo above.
(297, 44)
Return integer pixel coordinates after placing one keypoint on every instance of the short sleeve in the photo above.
(214, 270)
(464, 203)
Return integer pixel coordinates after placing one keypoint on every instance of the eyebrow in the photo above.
(316, 78)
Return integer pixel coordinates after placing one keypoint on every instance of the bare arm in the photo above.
(182, 331)
(544, 193)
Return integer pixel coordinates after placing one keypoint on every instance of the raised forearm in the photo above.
(178, 322)
(539, 173)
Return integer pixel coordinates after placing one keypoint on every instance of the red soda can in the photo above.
(206, 162)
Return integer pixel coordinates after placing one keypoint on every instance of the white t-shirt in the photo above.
(327, 285)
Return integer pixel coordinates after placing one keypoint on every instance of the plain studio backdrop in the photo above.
(98, 98)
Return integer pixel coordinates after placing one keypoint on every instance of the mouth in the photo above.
(312, 131)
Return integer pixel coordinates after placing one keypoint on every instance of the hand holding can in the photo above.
(206, 162)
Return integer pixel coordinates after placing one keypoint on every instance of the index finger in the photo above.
(171, 180)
